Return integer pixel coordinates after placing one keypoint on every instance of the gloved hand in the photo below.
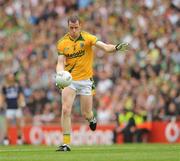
(57, 83)
(63, 79)
(122, 46)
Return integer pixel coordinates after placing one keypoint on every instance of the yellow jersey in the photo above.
(79, 54)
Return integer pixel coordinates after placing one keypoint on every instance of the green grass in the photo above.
(124, 152)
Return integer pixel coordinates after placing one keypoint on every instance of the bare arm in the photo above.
(1, 100)
(109, 48)
(106, 47)
(21, 100)
(59, 70)
(60, 64)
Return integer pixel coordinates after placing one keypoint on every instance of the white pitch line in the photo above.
(53, 149)
(24, 150)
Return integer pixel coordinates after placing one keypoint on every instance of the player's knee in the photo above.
(66, 111)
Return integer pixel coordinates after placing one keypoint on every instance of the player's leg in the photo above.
(86, 102)
(86, 106)
(6, 138)
(9, 116)
(68, 96)
(19, 124)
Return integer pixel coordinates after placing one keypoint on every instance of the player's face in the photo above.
(74, 29)
(10, 77)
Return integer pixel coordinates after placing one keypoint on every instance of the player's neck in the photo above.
(10, 83)
(75, 37)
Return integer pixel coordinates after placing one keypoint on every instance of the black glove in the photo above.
(122, 46)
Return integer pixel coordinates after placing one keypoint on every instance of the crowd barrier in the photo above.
(161, 132)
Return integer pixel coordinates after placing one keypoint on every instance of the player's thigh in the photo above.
(19, 113)
(10, 114)
(19, 117)
(86, 102)
(68, 96)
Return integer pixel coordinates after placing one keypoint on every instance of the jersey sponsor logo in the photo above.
(76, 54)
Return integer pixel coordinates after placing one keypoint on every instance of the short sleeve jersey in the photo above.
(79, 54)
(11, 95)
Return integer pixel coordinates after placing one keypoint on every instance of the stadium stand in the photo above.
(145, 80)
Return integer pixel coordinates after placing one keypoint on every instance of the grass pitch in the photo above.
(124, 152)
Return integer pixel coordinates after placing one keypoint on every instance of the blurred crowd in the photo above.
(145, 80)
